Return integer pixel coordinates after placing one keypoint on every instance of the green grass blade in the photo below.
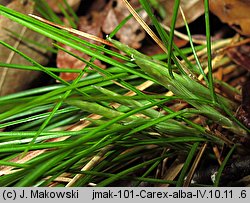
(71, 11)
(222, 166)
(43, 7)
(188, 161)
(194, 51)
(171, 36)
(209, 51)
(67, 16)
(25, 67)
(128, 171)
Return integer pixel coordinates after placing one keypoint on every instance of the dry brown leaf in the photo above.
(54, 4)
(98, 5)
(92, 25)
(191, 8)
(4, 2)
(13, 80)
(131, 33)
(233, 12)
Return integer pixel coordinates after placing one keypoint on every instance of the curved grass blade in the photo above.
(209, 52)
(171, 36)
(193, 48)
(222, 166)
(185, 168)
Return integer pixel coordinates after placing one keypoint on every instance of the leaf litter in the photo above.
(13, 80)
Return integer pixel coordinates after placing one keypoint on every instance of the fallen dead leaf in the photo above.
(14, 80)
(98, 5)
(92, 25)
(233, 12)
(191, 8)
(4, 2)
(131, 33)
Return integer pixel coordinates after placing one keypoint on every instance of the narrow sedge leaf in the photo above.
(128, 102)
(95, 108)
(163, 35)
(128, 171)
(25, 67)
(154, 165)
(193, 48)
(71, 11)
(141, 179)
(38, 100)
(187, 164)
(145, 26)
(166, 40)
(222, 166)
(209, 51)
(54, 110)
(67, 16)
(28, 179)
(171, 37)
(61, 154)
(46, 10)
